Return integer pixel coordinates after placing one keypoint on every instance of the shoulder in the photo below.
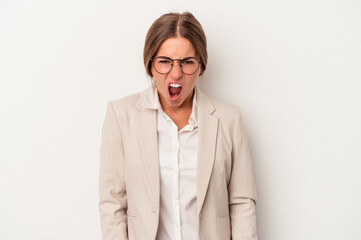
(127, 106)
(224, 108)
(127, 102)
(229, 116)
(218, 108)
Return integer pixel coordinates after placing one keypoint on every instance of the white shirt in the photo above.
(178, 173)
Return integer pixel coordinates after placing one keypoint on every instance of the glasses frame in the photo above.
(180, 64)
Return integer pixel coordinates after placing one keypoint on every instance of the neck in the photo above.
(180, 115)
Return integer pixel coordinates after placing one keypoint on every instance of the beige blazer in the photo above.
(129, 172)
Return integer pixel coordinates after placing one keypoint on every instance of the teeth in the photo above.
(175, 85)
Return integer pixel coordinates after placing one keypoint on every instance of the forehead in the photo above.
(176, 48)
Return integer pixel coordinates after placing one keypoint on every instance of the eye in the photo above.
(188, 62)
(164, 61)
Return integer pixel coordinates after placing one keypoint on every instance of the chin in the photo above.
(175, 103)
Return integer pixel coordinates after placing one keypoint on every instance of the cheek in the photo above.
(159, 79)
(161, 86)
(192, 81)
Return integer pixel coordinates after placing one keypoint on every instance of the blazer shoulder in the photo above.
(124, 101)
(224, 109)
(127, 103)
(125, 107)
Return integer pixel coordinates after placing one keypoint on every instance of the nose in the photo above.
(176, 71)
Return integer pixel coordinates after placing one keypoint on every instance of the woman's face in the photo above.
(175, 88)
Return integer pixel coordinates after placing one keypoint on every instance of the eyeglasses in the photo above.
(164, 65)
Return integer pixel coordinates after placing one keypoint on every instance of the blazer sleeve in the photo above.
(112, 190)
(242, 189)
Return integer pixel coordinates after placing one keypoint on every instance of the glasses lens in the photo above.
(162, 65)
(189, 65)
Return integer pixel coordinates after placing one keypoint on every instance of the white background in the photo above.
(292, 66)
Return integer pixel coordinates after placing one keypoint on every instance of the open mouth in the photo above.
(175, 90)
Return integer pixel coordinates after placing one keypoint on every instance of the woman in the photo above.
(175, 163)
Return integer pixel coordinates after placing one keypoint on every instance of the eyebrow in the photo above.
(163, 57)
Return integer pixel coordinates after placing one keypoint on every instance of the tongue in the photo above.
(175, 90)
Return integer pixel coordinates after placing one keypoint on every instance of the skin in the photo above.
(180, 109)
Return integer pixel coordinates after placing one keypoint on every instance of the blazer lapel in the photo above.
(148, 143)
(207, 135)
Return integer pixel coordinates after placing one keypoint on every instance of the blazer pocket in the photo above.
(130, 214)
(223, 226)
(223, 215)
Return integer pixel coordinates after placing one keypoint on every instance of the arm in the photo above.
(241, 188)
(112, 191)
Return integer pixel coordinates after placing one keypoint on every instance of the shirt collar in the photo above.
(151, 101)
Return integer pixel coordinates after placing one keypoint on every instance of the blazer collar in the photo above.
(144, 97)
(204, 102)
